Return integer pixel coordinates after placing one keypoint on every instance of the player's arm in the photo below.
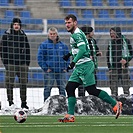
(80, 41)
(81, 52)
(67, 56)
(77, 57)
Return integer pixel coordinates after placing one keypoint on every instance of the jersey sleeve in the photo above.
(81, 47)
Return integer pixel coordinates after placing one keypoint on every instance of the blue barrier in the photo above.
(102, 73)
(35, 77)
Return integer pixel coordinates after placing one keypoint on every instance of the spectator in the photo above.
(83, 73)
(94, 49)
(119, 54)
(50, 59)
(15, 55)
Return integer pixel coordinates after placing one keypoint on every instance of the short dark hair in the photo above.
(87, 29)
(74, 18)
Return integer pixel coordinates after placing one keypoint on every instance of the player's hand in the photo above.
(66, 57)
(71, 66)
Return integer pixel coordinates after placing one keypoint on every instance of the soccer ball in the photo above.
(20, 116)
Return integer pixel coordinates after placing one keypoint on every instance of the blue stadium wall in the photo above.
(35, 77)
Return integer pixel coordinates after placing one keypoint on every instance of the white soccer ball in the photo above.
(20, 116)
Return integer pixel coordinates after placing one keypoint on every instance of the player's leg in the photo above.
(73, 83)
(89, 80)
(117, 106)
(92, 90)
(70, 89)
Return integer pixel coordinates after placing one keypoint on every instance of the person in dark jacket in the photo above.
(15, 55)
(50, 53)
(94, 49)
(119, 54)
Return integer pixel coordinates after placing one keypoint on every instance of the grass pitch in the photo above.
(83, 124)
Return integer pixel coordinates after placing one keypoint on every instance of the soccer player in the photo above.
(94, 51)
(83, 73)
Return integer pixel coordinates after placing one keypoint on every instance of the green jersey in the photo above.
(80, 47)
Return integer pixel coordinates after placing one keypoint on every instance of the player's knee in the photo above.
(92, 90)
(70, 88)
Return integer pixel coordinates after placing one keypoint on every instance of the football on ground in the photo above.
(20, 116)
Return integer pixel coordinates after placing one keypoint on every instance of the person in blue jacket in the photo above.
(50, 59)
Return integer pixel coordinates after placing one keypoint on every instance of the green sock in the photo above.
(105, 97)
(71, 105)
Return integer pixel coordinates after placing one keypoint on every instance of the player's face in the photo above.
(16, 26)
(70, 25)
(112, 34)
(52, 35)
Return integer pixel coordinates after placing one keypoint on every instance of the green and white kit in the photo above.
(84, 69)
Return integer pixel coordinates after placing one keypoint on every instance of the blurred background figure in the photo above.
(50, 53)
(119, 54)
(15, 55)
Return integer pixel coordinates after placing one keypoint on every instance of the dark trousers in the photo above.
(119, 75)
(21, 71)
